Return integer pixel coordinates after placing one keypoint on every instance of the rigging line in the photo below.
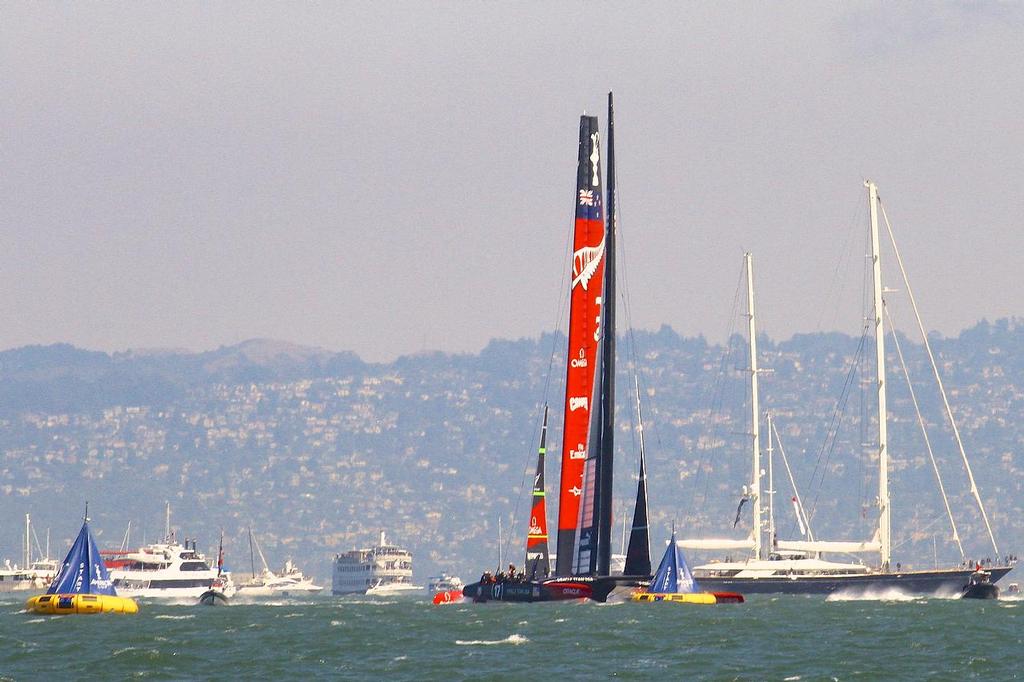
(792, 482)
(560, 313)
(924, 431)
(38, 548)
(910, 536)
(832, 431)
(938, 380)
(837, 284)
(625, 298)
(519, 493)
(710, 402)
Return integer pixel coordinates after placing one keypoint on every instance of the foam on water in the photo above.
(888, 594)
(166, 616)
(511, 639)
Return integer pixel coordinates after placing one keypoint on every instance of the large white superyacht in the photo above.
(380, 570)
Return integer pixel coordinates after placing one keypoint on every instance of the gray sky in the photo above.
(388, 179)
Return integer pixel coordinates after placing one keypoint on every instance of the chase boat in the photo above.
(980, 586)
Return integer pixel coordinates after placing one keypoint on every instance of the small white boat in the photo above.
(392, 589)
(289, 582)
(444, 583)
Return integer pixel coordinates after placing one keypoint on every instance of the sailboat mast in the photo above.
(755, 410)
(605, 463)
(252, 558)
(28, 545)
(884, 519)
(771, 486)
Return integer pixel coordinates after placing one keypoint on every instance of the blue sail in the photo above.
(673, 575)
(83, 571)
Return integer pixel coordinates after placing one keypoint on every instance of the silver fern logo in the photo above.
(595, 158)
(585, 262)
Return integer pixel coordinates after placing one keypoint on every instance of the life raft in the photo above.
(59, 604)
(689, 597)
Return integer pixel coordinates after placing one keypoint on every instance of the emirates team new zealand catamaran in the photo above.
(585, 499)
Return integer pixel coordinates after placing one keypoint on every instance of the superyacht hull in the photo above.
(940, 581)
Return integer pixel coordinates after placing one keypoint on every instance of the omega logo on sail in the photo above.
(576, 403)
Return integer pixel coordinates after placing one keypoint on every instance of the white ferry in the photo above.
(165, 570)
(380, 570)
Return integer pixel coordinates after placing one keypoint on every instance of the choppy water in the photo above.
(771, 638)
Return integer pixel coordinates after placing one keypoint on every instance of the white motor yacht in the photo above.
(165, 571)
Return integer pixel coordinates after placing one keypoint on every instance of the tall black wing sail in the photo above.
(605, 456)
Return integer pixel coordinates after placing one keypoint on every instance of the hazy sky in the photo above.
(393, 177)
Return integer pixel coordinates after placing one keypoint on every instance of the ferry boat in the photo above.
(380, 570)
(166, 570)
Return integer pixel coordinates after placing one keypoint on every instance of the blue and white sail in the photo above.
(83, 571)
(673, 575)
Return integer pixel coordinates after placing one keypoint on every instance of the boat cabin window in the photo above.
(194, 566)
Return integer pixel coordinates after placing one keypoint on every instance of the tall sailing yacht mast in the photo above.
(755, 413)
(884, 519)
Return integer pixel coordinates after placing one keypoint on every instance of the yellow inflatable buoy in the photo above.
(58, 604)
(682, 598)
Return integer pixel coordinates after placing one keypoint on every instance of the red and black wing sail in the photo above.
(537, 562)
(587, 281)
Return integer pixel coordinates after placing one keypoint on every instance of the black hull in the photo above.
(213, 598)
(983, 591)
(552, 589)
(950, 581)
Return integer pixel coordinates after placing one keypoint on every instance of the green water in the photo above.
(768, 638)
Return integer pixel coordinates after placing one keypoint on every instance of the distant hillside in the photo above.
(62, 378)
(317, 450)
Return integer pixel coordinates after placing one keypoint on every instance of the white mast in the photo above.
(167, 521)
(28, 542)
(771, 488)
(884, 520)
(755, 485)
